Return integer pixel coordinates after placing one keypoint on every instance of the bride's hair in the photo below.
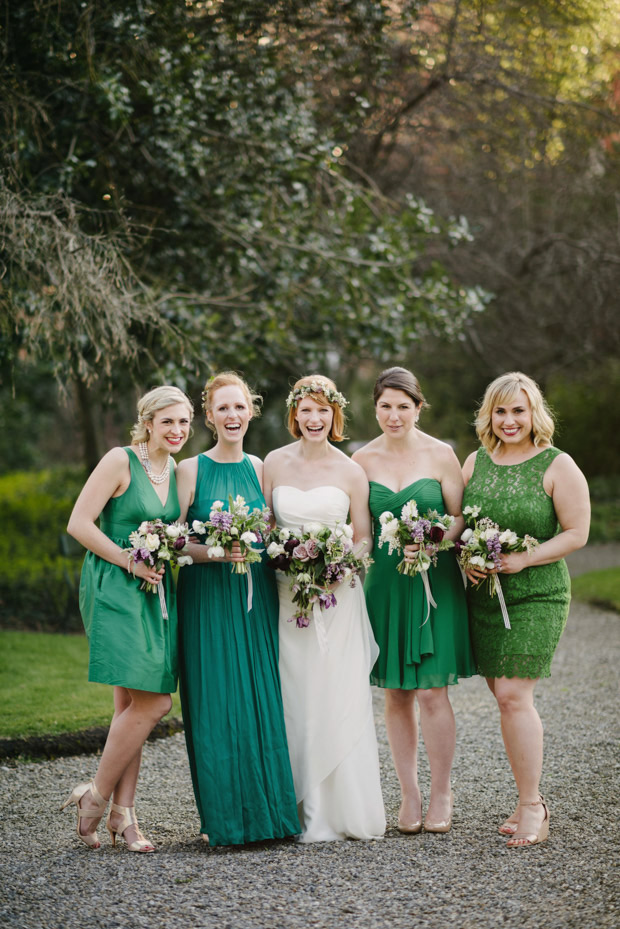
(331, 398)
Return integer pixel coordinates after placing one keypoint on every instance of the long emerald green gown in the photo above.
(230, 684)
(416, 652)
(131, 644)
(537, 598)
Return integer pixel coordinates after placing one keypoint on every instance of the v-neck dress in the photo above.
(131, 644)
(416, 653)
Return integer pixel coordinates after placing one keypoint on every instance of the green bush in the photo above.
(38, 584)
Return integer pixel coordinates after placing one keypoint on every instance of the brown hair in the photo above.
(228, 379)
(336, 432)
(153, 401)
(399, 379)
(504, 389)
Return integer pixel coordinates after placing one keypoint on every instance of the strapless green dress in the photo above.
(230, 683)
(537, 598)
(415, 653)
(130, 643)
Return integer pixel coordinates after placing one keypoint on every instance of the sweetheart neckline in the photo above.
(413, 483)
(311, 489)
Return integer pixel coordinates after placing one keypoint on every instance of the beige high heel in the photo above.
(510, 826)
(443, 825)
(129, 819)
(525, 839)
(90, 838)
(411, 828)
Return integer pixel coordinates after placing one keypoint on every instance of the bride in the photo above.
(325, 691)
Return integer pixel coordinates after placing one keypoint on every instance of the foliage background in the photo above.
(293, 186)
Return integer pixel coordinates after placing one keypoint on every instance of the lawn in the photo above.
(44, 687)
(601, 588)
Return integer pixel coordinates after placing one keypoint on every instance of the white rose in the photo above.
(348, 531)
(152, 542)
(489, 533)
(274, 549)
(216, 551)
(477, 561)
(284, 535)
(173, 531)
(248, 537)
(508, 537)
(466, 536)
(164, 555)
(313, 528)
(383, 519)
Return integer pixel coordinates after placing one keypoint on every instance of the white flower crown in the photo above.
(334, 396)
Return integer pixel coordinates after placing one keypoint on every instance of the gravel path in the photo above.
(464, 879)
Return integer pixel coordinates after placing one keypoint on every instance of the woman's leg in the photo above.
(402, 729)
(523, 739)
(439, 731)
(136, 713)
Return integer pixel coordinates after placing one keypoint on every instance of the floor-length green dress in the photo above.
(537, 598)
(230, 684)
(416, 652)
(131, 644)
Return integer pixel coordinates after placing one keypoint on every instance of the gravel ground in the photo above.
(464, 879)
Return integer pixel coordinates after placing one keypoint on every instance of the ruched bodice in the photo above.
(295, 508)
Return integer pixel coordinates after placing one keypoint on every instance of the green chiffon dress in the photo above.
(416, 652)
(537, 598)
(131, 644)
(230, 684)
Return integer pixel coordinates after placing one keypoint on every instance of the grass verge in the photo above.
(44, 688)
(601, 588)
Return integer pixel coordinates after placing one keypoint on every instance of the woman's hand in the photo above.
(475, 575)
(411, 551)
(513, 562)
(146, 572)
(236, 554)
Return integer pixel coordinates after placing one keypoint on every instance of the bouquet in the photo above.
(314, 557)
(428, 531)
(237, 524)
(481, 545)
(159, 543)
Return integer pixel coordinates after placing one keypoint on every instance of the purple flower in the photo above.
(301, 620)
(280, 562)
(312, 548)
(436, 534)
(291, 545)
(179, 543)
(327, 599)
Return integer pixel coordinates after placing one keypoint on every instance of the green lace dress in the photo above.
(230, 683)
(130, 643)
(415, 653)
(537, 598)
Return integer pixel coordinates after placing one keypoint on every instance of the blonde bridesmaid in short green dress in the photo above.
(132, 646)
(521, 482)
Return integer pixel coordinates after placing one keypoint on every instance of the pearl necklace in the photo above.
(148, 467)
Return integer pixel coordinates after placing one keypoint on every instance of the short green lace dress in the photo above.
(416, 653)
(230, 682)
(537, 598)
(130, 643)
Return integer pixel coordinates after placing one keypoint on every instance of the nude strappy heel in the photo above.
(525, 839)
(129, 819)
(90, 838)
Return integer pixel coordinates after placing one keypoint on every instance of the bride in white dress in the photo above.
(326, 692)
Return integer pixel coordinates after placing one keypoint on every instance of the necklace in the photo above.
(148, 467)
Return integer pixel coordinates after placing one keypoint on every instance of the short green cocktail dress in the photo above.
(230, 683)
(131, 644)
(537, 598)
(416, 652)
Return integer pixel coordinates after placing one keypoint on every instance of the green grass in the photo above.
(44, 687)
(601, 588)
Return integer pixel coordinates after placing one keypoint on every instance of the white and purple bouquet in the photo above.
(315, 557)
(159, 543)
(481, 546)
(236, 524)
(428, 531)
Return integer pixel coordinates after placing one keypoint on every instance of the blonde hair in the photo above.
(228, 379)
(336, 432)
(503, 390)
(157, 399)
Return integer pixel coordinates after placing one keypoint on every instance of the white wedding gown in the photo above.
(326, 694)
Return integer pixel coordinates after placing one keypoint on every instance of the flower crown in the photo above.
(298, 393)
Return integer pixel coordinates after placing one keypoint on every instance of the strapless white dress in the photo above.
(326, 694)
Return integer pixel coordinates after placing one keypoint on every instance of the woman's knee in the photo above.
(514, 694)
(433, 700)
